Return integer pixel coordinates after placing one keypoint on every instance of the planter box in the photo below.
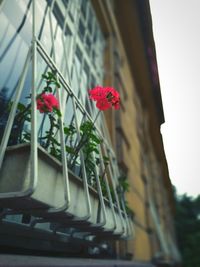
(15, 177)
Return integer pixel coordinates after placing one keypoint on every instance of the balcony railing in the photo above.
(34, 182)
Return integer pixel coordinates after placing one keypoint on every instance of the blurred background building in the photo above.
(94, 42)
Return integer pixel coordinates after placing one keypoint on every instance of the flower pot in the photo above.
(15, 178)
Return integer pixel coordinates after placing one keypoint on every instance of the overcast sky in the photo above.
(176, 26)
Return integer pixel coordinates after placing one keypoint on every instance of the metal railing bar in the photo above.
(37, 46)
(115, 193)
(67, 87)
(108, 187)
(64, 169)
(127, 219)
(11, 117)
(83, 110)
(77, 100)
(85, 183)
(34, 153)
(99, 190)
(116, 170)
(62, 138)
(64, 47)
(108, 192)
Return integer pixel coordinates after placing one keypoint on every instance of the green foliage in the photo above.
(103, 185)
(89, 142)
(123, 184)
(122, 188)
(50, 79)
(23, 116)
(106, 160)
(187, 223)
(49, 140)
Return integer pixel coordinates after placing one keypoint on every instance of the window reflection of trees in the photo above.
(82, 59)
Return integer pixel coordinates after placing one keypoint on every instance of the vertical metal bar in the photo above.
(116, 170)
(108, 191)
(126, 218)
(64, 161)
(85, 183)
(115, 193)
(62, 138)
(114, 190)
(11, 117)
(99, 190)
(34, 152)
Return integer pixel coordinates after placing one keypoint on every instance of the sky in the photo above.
(176, 28)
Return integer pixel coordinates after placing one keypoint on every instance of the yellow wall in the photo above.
(135, 129)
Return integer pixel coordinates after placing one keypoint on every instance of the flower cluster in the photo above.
(46, 103)
(105, 97)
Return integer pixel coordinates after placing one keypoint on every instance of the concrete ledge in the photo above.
(7, 260)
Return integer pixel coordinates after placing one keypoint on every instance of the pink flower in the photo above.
(105, 97)
(46, 103)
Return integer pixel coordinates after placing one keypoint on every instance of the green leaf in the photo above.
(90, 164)
(48, 89)
(86, 127)
(106, 160)
(50, 74)
(43, 138)
(57, 111)
(44, 76)
(54, 141)
(67, 130)
(95, 150)
(21, 107)
(95, 139)
(69, 149)
(57, 84)
(97, 161)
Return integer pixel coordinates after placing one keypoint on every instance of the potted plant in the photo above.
(88, 207)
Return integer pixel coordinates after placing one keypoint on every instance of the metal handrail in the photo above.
(9, 124)
(66, 86)
(37, 47)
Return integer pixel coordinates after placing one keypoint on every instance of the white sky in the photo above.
(176, 26)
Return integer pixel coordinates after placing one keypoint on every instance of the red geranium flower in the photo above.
(46, 103)
(105, 97)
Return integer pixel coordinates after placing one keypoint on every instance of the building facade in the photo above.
(109, 195)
